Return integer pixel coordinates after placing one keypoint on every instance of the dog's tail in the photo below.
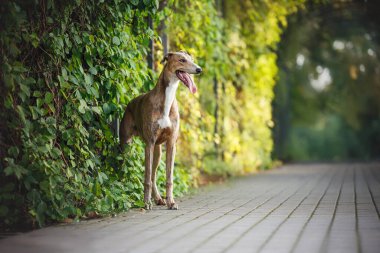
(125, 129)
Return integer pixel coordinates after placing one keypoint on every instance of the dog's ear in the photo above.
(166, 58)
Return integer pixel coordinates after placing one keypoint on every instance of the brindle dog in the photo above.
(154, 117)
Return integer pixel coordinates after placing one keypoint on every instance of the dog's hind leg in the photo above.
(126, 128)
(156, 161)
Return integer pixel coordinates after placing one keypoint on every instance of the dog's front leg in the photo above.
(148, 175)
(170, 154)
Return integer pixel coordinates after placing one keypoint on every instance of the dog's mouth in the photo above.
(187, 80)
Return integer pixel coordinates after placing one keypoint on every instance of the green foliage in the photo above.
(68, 68)
(336, 119)
(234, 43)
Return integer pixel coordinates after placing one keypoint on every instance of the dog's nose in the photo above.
(198, 70)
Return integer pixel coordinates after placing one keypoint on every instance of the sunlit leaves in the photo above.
(234, 43)
(116, 40)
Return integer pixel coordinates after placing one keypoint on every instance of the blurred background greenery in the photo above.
(327, 105)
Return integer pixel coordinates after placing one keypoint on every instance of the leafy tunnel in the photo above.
(68, 69)
(327, 104)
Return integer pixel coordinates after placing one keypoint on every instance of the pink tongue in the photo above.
(189, 82)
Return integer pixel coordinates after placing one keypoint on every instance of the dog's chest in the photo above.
(170, 93)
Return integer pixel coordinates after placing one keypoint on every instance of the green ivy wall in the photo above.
(68, 68)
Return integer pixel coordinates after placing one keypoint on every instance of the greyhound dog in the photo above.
(154, 117)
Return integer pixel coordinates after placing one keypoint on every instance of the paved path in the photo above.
(298, 208)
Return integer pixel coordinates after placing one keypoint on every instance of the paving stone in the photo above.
(296, 208)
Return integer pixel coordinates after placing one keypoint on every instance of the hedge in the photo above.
(68, 68)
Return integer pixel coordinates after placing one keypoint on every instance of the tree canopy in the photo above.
(327, 103)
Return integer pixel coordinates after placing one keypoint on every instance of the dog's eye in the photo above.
(182, 60)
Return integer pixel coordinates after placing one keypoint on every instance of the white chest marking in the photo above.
(170, 92)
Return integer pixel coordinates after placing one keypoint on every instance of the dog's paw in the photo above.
(164, 122)
(173, 206)
(160, 202)
(148, 205)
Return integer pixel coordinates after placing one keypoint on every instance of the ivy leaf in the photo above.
(82, 106)
(140, 203)
(88, 79)
(34, 113)
(135, 2)
(48, 97)
(21, 113)
(97, 110)
(25, 89)
(37, 94)
(13, 151)
(40, 214)
(97, 189)
(94, 92)
(39, 102)
(116, 40)
(88, 59)
(77, 39)
(15, 169)
(64, 74)
(93, 71)
(106, 108)
(34, 39)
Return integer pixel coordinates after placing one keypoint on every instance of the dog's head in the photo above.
(182, 65)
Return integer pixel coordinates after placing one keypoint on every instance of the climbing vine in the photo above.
(69, 68)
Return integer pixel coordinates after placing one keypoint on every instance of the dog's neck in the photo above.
(166, 89)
